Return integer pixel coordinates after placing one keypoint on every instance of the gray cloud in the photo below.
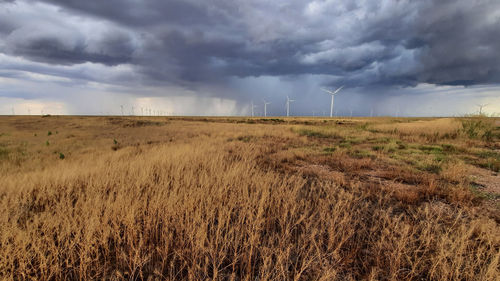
(185, 43)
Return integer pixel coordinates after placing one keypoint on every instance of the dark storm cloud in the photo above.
(53, 50)
(56, 46)
(144, 13)
(460, 43)
(359, 43)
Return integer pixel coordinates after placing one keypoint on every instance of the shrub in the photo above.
(116, 145)
(478, 128)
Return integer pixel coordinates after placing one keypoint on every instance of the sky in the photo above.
(216, 57)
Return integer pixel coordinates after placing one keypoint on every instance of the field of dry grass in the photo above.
(133, 198)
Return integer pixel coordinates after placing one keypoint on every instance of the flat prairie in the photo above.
(194, 198)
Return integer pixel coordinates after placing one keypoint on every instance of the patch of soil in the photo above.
(489, 180)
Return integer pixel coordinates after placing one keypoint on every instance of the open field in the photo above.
(157, 198)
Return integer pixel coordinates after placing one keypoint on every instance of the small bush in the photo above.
(49, 133)
(61, 155)
(116, 145)
(478, 128)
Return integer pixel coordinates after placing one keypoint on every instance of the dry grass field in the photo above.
(137, 198)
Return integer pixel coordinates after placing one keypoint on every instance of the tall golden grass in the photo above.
(439, 127)
(196, 201)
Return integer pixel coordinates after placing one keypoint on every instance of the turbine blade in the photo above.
(336, 91)
(328, 91)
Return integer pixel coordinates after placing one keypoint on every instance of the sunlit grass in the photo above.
(219, 199)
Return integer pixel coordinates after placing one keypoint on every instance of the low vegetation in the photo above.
(261, 199)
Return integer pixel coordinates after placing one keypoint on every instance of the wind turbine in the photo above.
(121, 106)
(253, 106)
(288, 101)
(481, 107)
(333, 95)
(265, 108)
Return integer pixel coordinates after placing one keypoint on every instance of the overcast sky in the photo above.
(214, 57)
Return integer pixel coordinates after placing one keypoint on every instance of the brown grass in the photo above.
(186, 200)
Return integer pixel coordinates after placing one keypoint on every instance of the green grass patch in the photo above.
(401, 145)
(4, 152)
(362, 127)
(492, 164)
(318, 134)
(448, 148)
(429, 167)
(345, 144)
(488, 154)
(431, 149)
(477, 190)
(329, 149)
(360, 153)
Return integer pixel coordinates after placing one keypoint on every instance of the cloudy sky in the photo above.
(214, 57)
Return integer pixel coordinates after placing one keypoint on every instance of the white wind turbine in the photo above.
(288, 101)
(253, 106)
(333, 95)
(265, 108)
(481, 107)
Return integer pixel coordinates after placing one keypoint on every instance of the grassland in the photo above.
(136, 198)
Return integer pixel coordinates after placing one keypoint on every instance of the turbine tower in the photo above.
(333, 95)
(253, 106)
(288, 101)
(265, 108)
